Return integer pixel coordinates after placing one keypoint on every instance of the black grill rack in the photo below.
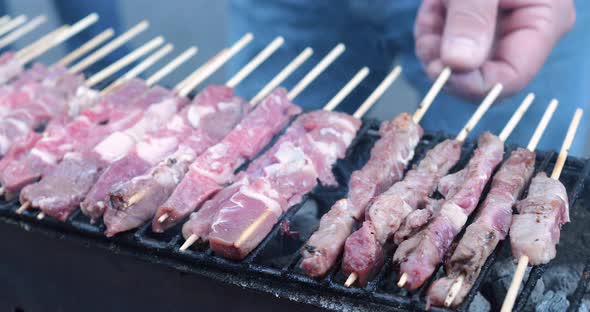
(273, 267)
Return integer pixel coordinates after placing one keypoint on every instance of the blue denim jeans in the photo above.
(379, 31)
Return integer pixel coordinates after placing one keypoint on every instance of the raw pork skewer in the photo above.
(491, 224)
(14, 65)
(389, 157)
(214, 112)
(364, 250)
(281, 177)
(21, 169)
(61, 201)
(535, 230)
(72, 106)
(418, 256)
(213, 173)
(144, 194)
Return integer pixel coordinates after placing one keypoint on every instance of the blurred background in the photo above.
(203, 23)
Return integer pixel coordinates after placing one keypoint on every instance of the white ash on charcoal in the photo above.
(552, 302)
(584, 306)
(562, 278)
(479, 304)
(500, 279)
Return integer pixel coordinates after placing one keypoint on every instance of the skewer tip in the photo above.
(23, 207)
(189, 242)
(402, 280)
(351, 279)
(163, 218)
(40, 216)
(454, 291)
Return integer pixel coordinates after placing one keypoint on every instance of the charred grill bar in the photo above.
(276, 260)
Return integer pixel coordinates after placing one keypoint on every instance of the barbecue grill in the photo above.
(273, 267)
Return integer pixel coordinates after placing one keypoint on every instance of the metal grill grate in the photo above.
(275, 261)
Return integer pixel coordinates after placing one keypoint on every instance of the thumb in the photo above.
(469, 31)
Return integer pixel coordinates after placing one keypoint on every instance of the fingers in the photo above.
(428, 30)
(468, 33)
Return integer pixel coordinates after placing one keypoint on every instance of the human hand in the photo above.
(489, 41)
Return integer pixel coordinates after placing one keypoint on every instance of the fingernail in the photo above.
(460, 48)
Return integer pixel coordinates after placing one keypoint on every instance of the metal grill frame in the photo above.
(288, 281)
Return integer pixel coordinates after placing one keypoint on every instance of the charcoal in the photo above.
(553, 302)
(501, 277)
(562, 278)
(584, 306)
(479, 304)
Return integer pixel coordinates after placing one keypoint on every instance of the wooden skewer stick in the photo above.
(41, 42)
(170, 67)
(61, 37)
(531, 146)
(534, 141)
(475, 118)
(485, 105)
(282, 75)
(345, 91)
(255, 62)
(208, 70)
(23, 207)
(4, 19)
(378, 92)
(140, 68)
(432, 93)
(192, 76)
(6, 28)
(86, 47)
(25, 29)
(516, 117)
(316, 71)
(454, 291)
(1, 190)
(126, 60)
(109, 47)
(524, 260)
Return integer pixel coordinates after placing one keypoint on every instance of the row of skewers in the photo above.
(132, 153)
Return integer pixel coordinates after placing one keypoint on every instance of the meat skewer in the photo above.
(185, 137)
(145, 194)
(491, 224)
(279, 99)
(13, 177)
(389, 158)
(278, 180)
(14, 63)
(364, 250)
(535, 230)
(22, 31)
(90, 161)
(418, 256)
(73, 106)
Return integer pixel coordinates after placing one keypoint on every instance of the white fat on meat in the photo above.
(46, 157)
(228, 105)
(156, 115)
(332, 149)
(154, 149)
(290, 159)
(19, 124)
(455, 214)
(195, 113)
(114, 146)
(4, 144)
(343, 122)
(176, 124)
(84, 98)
